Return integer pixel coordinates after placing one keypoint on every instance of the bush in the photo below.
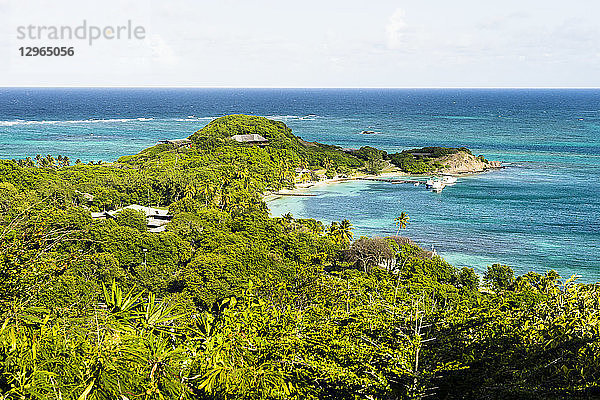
(467, 279)
(499, 277)
(369, 153)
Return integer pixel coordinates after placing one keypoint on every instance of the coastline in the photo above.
(300, 189)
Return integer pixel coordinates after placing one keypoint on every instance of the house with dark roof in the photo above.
(156, 218)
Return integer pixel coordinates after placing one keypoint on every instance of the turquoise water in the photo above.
(508, 216)
(541, 212)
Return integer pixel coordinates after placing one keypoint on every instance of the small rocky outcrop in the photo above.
(463, 162)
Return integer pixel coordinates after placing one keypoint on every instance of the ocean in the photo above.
(541, 212)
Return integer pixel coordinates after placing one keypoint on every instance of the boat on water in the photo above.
(438, 186)
(449, 180)
(367, 132)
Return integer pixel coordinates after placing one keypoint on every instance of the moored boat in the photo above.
(449, 180)
(438, 186)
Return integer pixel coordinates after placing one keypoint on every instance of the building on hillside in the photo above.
(254, 139)
(177, 143)
(300, 171)
(87, 196)
(100, 215)
(156, 218)
(303, 175)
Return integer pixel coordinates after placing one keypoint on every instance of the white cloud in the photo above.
(161, 51)
(314, 43)
(396, 29)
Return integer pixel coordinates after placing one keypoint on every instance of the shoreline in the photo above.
(300, 189)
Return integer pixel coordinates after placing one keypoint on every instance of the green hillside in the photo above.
(230, 303)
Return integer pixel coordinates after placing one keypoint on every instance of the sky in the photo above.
(264, 43)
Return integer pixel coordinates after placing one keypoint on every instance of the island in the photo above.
(162, 276)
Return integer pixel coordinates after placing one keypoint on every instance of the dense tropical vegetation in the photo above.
(230, 303)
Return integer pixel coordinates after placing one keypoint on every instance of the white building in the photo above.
(156, 218)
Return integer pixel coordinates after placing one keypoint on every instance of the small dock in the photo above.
(295, 194)
(393, 181)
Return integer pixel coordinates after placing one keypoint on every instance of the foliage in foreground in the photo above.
(229, 303)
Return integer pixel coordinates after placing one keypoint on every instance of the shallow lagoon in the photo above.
(512, 216)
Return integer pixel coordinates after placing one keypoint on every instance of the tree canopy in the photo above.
(229, 302)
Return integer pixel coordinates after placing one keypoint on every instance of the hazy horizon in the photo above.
(314, 44)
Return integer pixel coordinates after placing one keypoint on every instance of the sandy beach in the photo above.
(302, 188)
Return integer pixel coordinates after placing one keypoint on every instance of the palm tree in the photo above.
(288, 218)
(190, 190)
(333, 229)
(345, 231)
(226, 198)
(50, 161)
(401, 222)
(287, 221)
(207, 191)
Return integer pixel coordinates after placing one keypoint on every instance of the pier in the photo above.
(295, 194)
(393, 181)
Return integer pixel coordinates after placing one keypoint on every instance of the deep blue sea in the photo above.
(541, 212)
